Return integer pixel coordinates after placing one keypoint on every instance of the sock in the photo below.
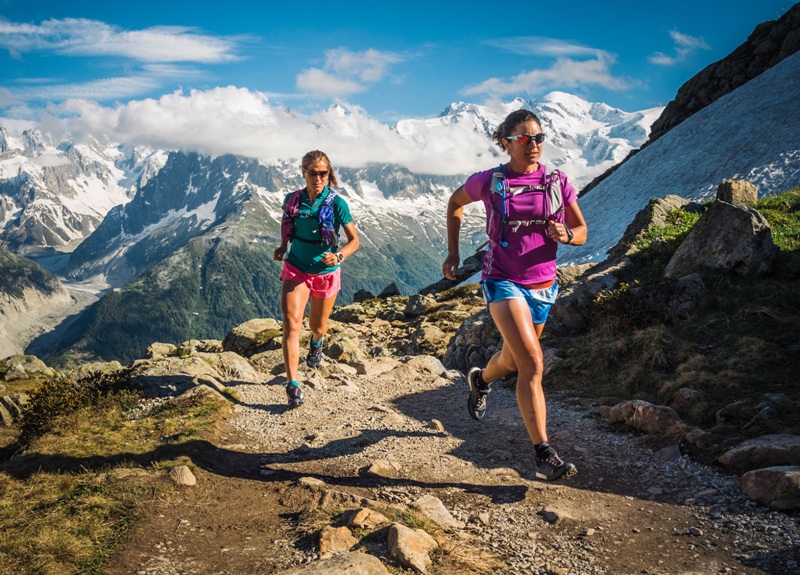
(316, 343)
(293, 383)
(541, 448)
(482, 386)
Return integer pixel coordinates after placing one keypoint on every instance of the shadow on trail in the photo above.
(236, 464)
(501, 440)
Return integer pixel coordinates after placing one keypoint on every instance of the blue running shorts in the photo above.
(539, 300)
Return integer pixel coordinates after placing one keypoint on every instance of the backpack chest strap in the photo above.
(517, 224)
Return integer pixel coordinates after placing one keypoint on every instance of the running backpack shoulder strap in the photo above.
(496, 220)
(327, 230)
(289, 214)
(555, 196)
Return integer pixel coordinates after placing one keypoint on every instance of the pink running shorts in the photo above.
(320, 286)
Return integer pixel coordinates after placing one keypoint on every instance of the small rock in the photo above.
(335, 540)
(436, 425)
(182, 475)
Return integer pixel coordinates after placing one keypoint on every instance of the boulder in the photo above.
(418, 304)
(775, 487)
(683, 400)
(738, 192)
(725, 238)
(334, 540)
(17, 367)
(433, 508)
(474, 342)
(765, 451)
(365, 518)
(645, 416)
(362, 295)
(654, 215)
(411, 547)
(347, 563)
(390, 291)
(254, 336)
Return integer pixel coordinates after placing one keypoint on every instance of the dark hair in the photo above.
(316, 156)
(513, 120)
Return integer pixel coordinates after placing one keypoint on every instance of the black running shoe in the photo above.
(314, 356)
(550, 466)
(294, 395)
(476, 404)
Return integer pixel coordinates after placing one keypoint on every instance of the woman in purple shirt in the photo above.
(525, 224)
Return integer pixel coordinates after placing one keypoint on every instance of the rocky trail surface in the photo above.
(395, 435)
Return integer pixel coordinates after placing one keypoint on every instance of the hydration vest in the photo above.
(497, 221)
(325, 218)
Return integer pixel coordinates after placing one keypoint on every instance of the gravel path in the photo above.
(628, 510)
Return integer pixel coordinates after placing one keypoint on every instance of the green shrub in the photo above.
(63, 395)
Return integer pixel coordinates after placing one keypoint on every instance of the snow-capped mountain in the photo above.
(52, 196)
(583, 138)
(752, 133)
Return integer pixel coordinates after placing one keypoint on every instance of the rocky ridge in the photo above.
(383, 467)
(384, 435)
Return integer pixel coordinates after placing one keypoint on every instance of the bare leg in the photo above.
(318, 317)
(521, 352)
(294, 297)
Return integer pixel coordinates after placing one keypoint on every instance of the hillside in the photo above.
(29, 297)
(208, 471)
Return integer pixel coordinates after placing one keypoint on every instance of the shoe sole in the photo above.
(568, 472)
(473, 398)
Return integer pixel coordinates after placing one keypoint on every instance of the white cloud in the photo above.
(564, 73)
(575, 66)
(346, 72)
(684, 46)
(105, 89)
(240, 121)
(541, 46)
(323, 84)
(368, 66)
(82, 37)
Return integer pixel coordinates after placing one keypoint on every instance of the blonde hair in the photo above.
(317, 156)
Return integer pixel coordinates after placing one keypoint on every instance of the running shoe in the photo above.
(294, 395)
(476, 403)
(314, 356)
(551, 467)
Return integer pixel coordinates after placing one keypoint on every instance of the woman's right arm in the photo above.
(455, 214)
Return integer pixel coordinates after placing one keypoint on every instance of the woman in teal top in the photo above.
(311, 270)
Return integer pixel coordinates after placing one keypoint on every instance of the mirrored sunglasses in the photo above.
(525, 139)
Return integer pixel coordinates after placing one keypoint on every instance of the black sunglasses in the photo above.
(314, 174)
(525, 139)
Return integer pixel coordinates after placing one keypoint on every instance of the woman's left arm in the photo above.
(352, 240)
(573, 219)
(331, 259)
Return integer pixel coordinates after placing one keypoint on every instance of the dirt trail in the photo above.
(628, 510)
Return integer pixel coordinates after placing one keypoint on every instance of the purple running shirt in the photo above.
(530, 256)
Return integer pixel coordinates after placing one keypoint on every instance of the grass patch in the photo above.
(61, 510)
(739, 344)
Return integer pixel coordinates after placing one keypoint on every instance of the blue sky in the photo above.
(261, 78)
(395, 59)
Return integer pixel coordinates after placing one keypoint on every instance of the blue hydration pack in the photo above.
(327, 231)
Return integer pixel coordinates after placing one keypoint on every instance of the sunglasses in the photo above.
(525, 139)
(314, 174)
